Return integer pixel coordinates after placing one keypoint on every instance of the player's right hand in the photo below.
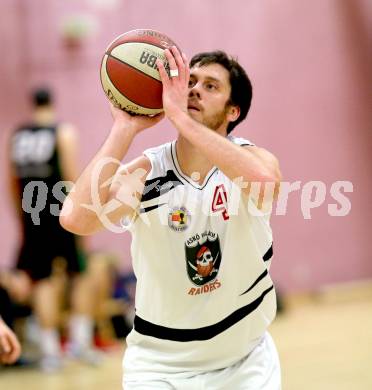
(134, 122)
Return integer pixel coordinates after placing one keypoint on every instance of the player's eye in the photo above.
(191, 83)
(210, 86)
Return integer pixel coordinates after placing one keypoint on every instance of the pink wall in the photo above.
(310, 70)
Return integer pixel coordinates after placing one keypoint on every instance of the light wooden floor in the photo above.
(326, 346)
(324, 343)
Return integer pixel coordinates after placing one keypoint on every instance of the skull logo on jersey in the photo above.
(203, 257)
(204, 261)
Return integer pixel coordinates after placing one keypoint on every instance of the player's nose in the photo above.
(195, 91)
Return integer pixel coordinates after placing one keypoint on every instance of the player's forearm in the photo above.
(75, 216)
(231, 159)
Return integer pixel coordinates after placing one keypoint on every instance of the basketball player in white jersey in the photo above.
(201, 239)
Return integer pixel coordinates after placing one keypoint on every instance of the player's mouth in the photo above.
(193, 107)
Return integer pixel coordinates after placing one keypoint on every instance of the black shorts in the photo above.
(6, 309)
(41, 247)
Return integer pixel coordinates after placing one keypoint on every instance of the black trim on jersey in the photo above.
(206, 333)
(147, 209)
(185, 177)
(255, 282)
(269, 254)
(156, 187)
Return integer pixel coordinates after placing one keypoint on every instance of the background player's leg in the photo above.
(18, 285)
(81, 323)
(81, 326)
(46, 307)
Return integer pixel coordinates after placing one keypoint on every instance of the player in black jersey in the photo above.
(43, 160)
(39, 152)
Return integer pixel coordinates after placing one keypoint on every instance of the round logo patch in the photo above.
(179, 219)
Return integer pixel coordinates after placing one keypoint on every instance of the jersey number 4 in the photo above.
(219, 202)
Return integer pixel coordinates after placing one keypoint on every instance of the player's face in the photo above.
(209, 92)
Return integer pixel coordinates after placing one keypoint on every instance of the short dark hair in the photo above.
(41, 97)
(241, 87)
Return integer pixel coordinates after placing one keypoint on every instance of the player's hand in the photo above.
(133, 122)
(176, 88)
(10, 348)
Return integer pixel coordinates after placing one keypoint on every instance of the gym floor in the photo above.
(324, 342)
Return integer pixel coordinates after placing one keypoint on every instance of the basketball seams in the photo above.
(131, 37)
(125, 96)
(145, 42)
(130, 100)
(104, 62)
(133, 67)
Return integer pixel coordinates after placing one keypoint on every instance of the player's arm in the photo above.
(105, 180)
(253, 164)
(67, 143)
(13, 183)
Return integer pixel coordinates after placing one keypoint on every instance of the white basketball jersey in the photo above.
(201, 256)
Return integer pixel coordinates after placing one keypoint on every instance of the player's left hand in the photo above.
(10, 348)
(175, 86)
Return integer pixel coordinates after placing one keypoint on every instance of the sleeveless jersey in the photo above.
(204, 296)
(34, 155)
(35, 158)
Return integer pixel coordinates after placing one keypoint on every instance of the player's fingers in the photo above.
(185, 60)
(180, 63)
(187, 68)
(155, 118)
(173, 68)
(15, 349)
(163, 74)
(14, 355)
(4, 345)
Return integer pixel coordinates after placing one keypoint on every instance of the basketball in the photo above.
(129, 74)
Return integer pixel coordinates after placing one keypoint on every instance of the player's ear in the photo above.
(233, 113)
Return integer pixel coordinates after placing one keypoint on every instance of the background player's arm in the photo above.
(105, 168)
(12, 181)
(67, 143)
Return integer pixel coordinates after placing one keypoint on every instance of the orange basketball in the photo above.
(129, 75)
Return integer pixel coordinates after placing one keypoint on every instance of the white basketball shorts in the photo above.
(260, 370)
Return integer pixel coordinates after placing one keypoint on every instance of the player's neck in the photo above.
(191, 160)
(44, 116)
